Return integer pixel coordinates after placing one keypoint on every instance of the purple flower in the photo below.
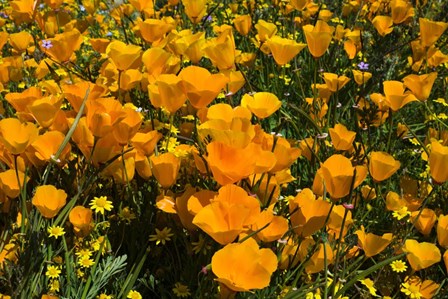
(46, 44)
(363, 66)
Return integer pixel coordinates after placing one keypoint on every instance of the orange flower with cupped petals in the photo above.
(43, 149)
(153, 29)
(438, 160)
(372, 244)
(339, 176)
(81, 219)
(420, 85)
(318, 37)
(402, 11)
(430, 31)
(165, 168)
(421, 255)
(308, 214)
(157, 61)
(396, 97)
(10, 182)
(341, 137)
(230, 164)
(21, 41)
(424, 220)
(16, 136)
(361, 77)
(22, 11)
(243, 266)
(130, 79)
(243, 24)
(382, 166)
(265, 30)
(221, 50)
(262, 104)
(320, 257)
(335, 82)
(62, 47)
(103, 114)
(276, 226)
(146, 142)
(283, 49)
(49, 200)
(442, 231)
(168, 92)
(229, 213)
(126, 129)
(124, 56)
(195, 9)
(44, 110)
(201, 86)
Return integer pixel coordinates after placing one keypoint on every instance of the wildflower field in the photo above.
(223, 149)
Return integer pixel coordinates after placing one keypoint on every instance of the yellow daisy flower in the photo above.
(101, 204)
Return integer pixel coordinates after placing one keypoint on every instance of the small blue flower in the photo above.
(46, 44)
(363, 66)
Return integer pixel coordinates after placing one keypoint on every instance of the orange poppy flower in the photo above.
(124, 56)
(341, 137)
(396, 97)
(165, 168)
(243, 24)
(430, 31)
(262, 104)
(402, 11)
(308, 214)
(277, 226)
(425, 221)
(62, 46)
(103, 114)
(201, 86)
(168, 92)
(243, 266)
(372, 244)
(21, 41)
(16, 136)
(75, 93)
(157, 61)
(335, 82)
(265, 30)
(9, 183)
(49, 200)
(442, 231)
(130, 79)
(44, 110)
(221, 50)
(421, 255)
(230, 164)
(285, 155)
(382, 166)
(283, 49)
(338, 174)
(153, 29)
(421, 85)
(45, 146)
(231, 212)
(318, 37)
(438, 159)
(126, 129)
(320, 257)
(122, 169)
(146, 142)
(361, 77)
(195, 9)
(81, 219)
